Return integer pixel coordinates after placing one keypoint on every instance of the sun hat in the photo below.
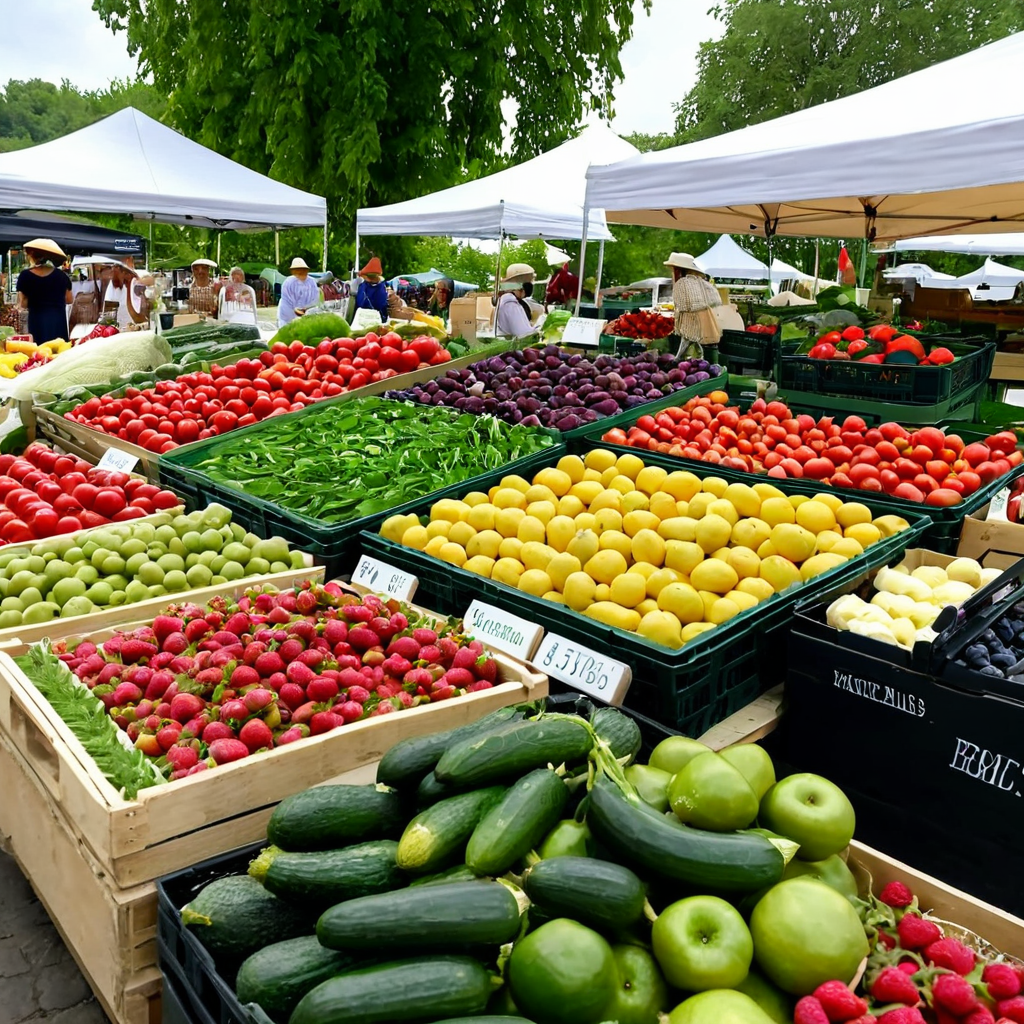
(47, 245)
(299, 264)
(684, 261)
(372, 269)
(519, 273)
(204, 262)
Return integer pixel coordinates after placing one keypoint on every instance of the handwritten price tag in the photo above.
(583, 669)
(581, 330)
(498, 628)
(115, 459)
(384, 578)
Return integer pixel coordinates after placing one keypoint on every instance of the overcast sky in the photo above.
(66, 39)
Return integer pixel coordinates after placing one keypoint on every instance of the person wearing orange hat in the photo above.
(373, 292)
(45, 291)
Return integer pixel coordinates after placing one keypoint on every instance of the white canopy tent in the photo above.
(728, 259)
(1008, 244)
(993, 274)
(920, 272)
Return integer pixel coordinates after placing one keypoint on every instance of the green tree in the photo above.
(372, 101)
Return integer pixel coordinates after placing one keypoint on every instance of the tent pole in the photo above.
(600, 270)
(497, 265)
(863, 262)
(355, 258)
(277, 248)
(583, 256)
(324, 267)
(817, 258)
(218, 249)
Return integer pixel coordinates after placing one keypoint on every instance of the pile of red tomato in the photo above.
(283, 379)
(644, 325)
(925, 465)
(44, 493)
(880, 344)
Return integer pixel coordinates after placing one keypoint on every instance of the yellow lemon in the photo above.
(833, 501)
(617, 541)
(635, 501)
(535, 581)
(766, 549)
(779, 572)
(663, 505)
(817, 564)
(599, 459)
(741, 599)
(570, 505)
(480, 564)
(678, 528)
(415, 537)
(793, 542)
(865, 534)
(561, 567)
(658, 580)
(723, 610)
(694, 630)
(586, 490)
(585, 521)
(713, 532)
(560, 530)
(650, 479)
(683, 555)
(622, 484)
(722, 554)
(714, 485)
(481, 517)
(629, 465)
(777, 510)
(850, 513)
(395, 526)
(516, 482)
(507, 571)
(438, 528)
(511, 547)
(592, 474)
(475, 498)
(755, 586)
(602, 592)
(698, 505)
(750, 533)
(682, 601)
(538, 492)
(661, 628)
(509, 497)
(608, 498)
(461, 533)
(681, 485)
(605, 565)
(451, 509)
(634, 522)
(453, 553)
(682, 508)
(486, 543)
(629, 589)
(558, 481)
(889, 525)
(572, 466)
(535, 555)
(579, 591)
(434, 546)
(715, 575)
(531, 529)
(554, 597)
(507, 521)
(764, 490)
(745, 562)
(725, 509)
(608, 519)
(796, 500)
(848, 547)
(584, 545)
(644, 569)
(744, 499)
(612, 614)
(815, 516)
(648, 546)
(609, 475)
(647, 605)
(828, 539)
(542, 510)
(709, 599)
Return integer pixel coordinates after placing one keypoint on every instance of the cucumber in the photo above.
(409, 761)
(520, 820)
(619, 731)
(513, 750)
(328, 817)
(459, 873)
(319, 879)
(643, 839)
(567, 839)
(235, 916)
(407, 990)
(430, 791)
(278, 976)
(484, 1020)
(597, 893)
(430, 919)
(436, 836)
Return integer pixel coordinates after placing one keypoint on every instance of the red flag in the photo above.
(846, 272)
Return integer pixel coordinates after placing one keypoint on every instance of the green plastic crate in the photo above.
(749, 354)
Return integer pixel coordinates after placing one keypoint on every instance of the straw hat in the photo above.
(299, 264)
(516, 275)
(47, 245)
(373, 269)
(684, 261)
(204, 262)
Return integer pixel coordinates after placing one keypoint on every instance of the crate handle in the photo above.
(38, 749)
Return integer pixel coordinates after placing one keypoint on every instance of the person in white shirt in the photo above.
(298, 293)
(512, 317)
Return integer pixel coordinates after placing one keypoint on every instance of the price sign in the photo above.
(498, 628)
(366, 318)
(385, 579)
(581, 330)
(583, 669)
(998, 506)
(115, 459)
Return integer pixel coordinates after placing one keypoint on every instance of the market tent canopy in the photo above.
(922, 154)
(541, 198)
(71, 235)
(129, 163)
(1009, 244)
(992, 274)
(920, 272)
(727, 259)
(782, 271)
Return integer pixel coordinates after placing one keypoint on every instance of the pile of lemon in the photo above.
(666, 555)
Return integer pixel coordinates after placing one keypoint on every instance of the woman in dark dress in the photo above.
(45, 291)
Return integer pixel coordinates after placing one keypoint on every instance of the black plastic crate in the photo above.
(749, 354)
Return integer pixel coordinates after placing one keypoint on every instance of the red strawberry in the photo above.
(224, 751)
(244, 675)
(405, 647)
(127, 693)
(218, 731)
(952, 955)
(321, 689)
(168, 735)
(235, 709)
(1002, 980)
(268, 663)
(297, 672)
(359, 694)
(383, 708)
(306, 602)
(917, 933)
(893, 986)
(480, 684)
(909, 967)
(896, 894)
(362, 638)
(292, 695)
(176, 643)
(442, 693)
(430, 653)
(486, 668)
(903, 1015)
(396, 666)
(291, 649)
(335, 632)
(324, 721)
(165, 625)
(809, 1011)
(464, 658)
(182, 758)
(402, 700)
(1013, 1009)
(448, 648)
(291, 734)
(838, 1002)
(982, 1015)
(257, 700)
(458, 677)
(886, 940)
(186, 706)
(237, 624)
(424, 636)
(350, 711)
(196, 630)
(255, 734)
(955, 994)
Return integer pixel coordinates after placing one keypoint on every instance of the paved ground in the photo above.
(39, 981)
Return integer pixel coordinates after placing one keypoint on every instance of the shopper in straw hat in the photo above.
(202, 298)
(373, 292)
(45, 290)
(298, 293)
(512, 317)
(693, 297)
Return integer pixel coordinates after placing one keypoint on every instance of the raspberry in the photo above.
(952, 955)
(982, 1015)
(1002, 980)
(908, 967)
(809, 1011)
(839, 1003)
(955, 994)
(916, 933)
(893, 986)
(1012, 1008)
(903, 1015)
(886, 940)
(896, 894)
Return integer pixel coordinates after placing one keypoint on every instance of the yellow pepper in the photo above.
(6, 371)
(56, 346)
(27, 347)
(12, 359)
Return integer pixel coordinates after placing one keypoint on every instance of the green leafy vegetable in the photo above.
(312, 328)
(364, 456)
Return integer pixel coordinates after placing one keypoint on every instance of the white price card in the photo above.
(384, 578)
(502, 630)
(366, 318)
(584, 669)
(581, 330)
(115, 459)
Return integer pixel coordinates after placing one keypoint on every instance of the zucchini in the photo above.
(430, 919)
(437, 835)
(278, 976)
(597, 893)
(484, 1020)
(430, 791)
(328, 817)
(407, 990)
(520, 820)
(319, 879)
(619, 731)
(641, 838)
(235, 916)
(409, 761)
(513, 750)
(459, 873)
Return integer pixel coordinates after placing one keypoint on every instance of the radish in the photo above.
(246, 675)
(292, 695)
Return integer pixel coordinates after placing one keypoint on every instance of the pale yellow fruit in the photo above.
(744, 499)
(765, 490)
(815, 516)
(634, 522)
(817, 564)
(608, 498)
(756, 587)
(475, 498)
(647, 605)
(572, 466)
(616, 541)
(531, 529)
(678, 528)
(516, 482)
(438, 528)
(592, 474)
(851, 512)
(650, 479)
(506, 522)
(509, 497)
(434, 546)
(722, 554)
(715, 575)
(725, 509)
(415, 537)
(796, 500)
(865, 534)
(451, 509)
(709, 600)
(453, 553)
(584, 545)
(608, 519)
(507, 571)
(698, 505)
(539, 492)
(828, 539)
(635, 501)
(694, 630)
(715, 485)
(661, 628)
(777, 510)
(570, 505)
(683, 508)
(935, 575)
(965, 570)
(834, 502)
(612, 614)
(605, 565)
(480, 564)
(648, 546)
(560, 530)
(622, 484)
(602, 592)
(609, 475)
(511, 547)
(554, 597)
(461, 533)
(723, 611)
(746, 562)
(663, 505)
(579, 591)
(766, 549)
(741, 599)
(535, 555)
(682, 601)
(561, 567)
(585, 521)
(545, 511)
(779, 572)
(535, 581)
(847, 547)
(486, 543)
(558, 481)
(395, 526)
(681, 485)
(586, 490)
(750, 533)
(482, 516)
(683, 555)
(793, 542)
(713, 532)
(658, 580)
(644, 569)
(629, 589)
(629, 465)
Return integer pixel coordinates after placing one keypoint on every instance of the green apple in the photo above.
(710, 793)
(702, 942)
(769, 997)
(811, 811)
(672, 753)
(567, 839)
(651, 783)
(832, 871)
(642, 993)
(754, 764)
(719, 1006)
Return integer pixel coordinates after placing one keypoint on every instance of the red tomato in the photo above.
(224, 421)
(943, 497)
(909, 492)
(44, 522)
